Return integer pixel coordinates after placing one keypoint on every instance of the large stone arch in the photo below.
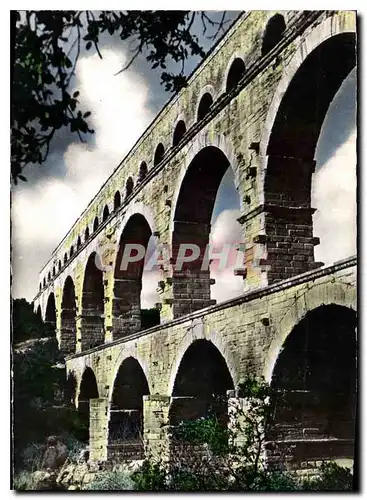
(127, 276)
(125, 422)
(50, 312)
(202, 379)
(92, 304)
(136, 207)
(87, 389)
(198, 331)
(203, 140)
(287, 147)
(314, 388)
(67, 332)
(128, 351)
(328, 28)
(328, 293)
(205, 166)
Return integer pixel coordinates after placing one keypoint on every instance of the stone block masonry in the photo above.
(249, 106)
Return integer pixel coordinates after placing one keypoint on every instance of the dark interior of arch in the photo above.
(95, 224)
(86, 235)
(159, 153)
(235, 73)
(192, 218)
(205, 103)
(79, 242)
(88, 391)
(129, 187)
(49, 277)
(60, 265)
(50, 317)
(126, 414)
(303, 108)
(106, 213)
(128, 278)
(143, 170)
(201, 384)
(291, 148)
(92, 304)
(68, 315)
(88, 386)
(179, 132)
(273, 33)
(117, 200)
(71, 250)
(201, 184)
(316, 370)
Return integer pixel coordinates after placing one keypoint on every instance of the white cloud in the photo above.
(149, 294)
(334, 196)
(226, 230)
(42, 213)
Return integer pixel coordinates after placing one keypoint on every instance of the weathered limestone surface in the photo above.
(265, 128)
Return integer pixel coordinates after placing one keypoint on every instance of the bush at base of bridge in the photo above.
(233, 460)
(333, 477)
(153, 476)
(112, 481)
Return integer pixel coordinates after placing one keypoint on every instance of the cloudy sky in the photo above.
(44, 208)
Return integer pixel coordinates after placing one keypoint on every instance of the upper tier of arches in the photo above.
(272, 33)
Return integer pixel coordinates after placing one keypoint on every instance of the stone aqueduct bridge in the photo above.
(256, 104)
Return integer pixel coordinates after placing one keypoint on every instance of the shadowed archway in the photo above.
(159, 154)
(205, 103)
(201, 384)
(180, 131)
(291, 150)
(192, 226)
(50, 316)
(235, 73)
(316, 378)
(88, 390)
(143, 171)
(68, 318)
(128, 272)
(92, 318)
(126, 409)
(273, 33)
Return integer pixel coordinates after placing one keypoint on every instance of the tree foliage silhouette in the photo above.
(46, 47)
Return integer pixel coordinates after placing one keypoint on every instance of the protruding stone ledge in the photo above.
(241, 299)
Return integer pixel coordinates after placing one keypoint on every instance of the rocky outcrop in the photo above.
(55, 454)
(78, 476)
(44, 480)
